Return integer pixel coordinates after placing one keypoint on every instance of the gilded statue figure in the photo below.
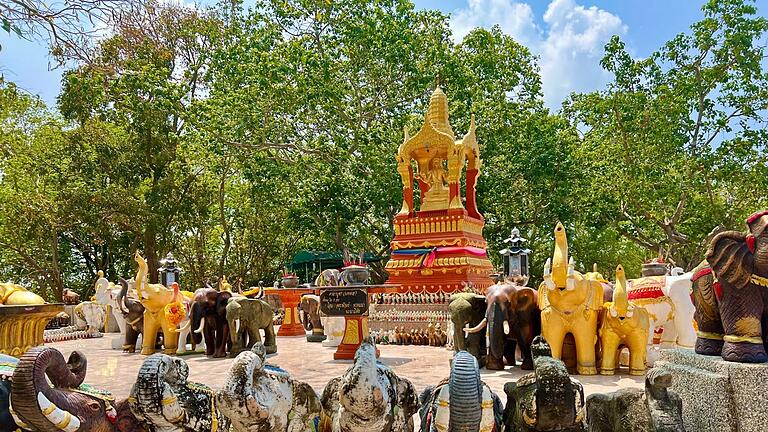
(436, 198)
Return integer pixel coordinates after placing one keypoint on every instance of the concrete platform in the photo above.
(310, 362)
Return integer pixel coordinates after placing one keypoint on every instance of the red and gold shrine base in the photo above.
(449, 272)
(290, 297)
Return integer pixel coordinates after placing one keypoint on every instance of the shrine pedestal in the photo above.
(355, 331)
(290, 297)
(718, 396)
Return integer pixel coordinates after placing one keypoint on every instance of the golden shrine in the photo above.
(440, 247)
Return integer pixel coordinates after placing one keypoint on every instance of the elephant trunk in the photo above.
(496, 317)
(40, 406)
(197, 320)
(238, 388)
(361, 391)
(560, 257)
(121, 296)
(465, 394)
(555, 402)
(154, 398)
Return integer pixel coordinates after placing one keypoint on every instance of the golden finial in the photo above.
(437, 114)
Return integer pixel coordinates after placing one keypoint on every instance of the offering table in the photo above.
(290, 297)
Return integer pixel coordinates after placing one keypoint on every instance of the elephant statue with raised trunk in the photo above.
(155, 298)
(654, 409)
(546, 399)
(730, 291)
(259, 397)
(132, 312)
(624, 324)
(209, 319)
(667, 298)
(462, 402)
(246, 318)
(467, 315)
(369, 397)
(164, 399)
(512, 305)
(570, 303)
(68, 405)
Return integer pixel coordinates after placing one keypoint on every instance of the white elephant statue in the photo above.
(90, 316)
(260, 397)
(334, 330)
(108, 294)
(668, 301)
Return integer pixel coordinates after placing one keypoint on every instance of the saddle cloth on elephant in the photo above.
(442, 400)
(646, 288)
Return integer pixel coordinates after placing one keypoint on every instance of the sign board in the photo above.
(344, 301)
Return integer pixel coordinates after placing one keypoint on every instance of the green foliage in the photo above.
(234, 138)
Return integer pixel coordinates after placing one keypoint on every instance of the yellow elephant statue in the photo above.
(624, 324)
(12, 294)
(570, 303)
(155, 298)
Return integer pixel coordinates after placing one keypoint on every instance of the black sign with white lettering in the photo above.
(344, 301)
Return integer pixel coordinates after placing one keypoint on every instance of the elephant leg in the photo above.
(170, 339)
(554, 333)
(524, 342)
(709, 340)
(585, 339)
(610, 342)
(254, 335)
(742, 312)
(209, 333)
(269, 338)
(637, 359)
(151, 329)
(509, 352)
(669, 335)
(221, 341)
(131, 336)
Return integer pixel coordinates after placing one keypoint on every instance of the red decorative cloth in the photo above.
(647, 288)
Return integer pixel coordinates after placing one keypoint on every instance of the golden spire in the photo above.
(437, 114)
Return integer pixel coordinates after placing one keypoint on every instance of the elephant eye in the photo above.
(94, 406)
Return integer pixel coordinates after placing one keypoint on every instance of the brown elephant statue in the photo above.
(68, 406)
(310, 305)
(730, 292)
(512, 303)
(209, 319)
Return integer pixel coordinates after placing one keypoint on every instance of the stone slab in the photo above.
(718, 396)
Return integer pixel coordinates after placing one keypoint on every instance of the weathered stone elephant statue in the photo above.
(546, 399)
(516, 306)
(164, 399)
(462, 402)
(468, 312)
(667, 298)
(655, 409)
(90, 316)
(258, 397)
(570, 303)
(730, 291)
(246, 318)
(369, 397)
(624, 324)
(155, 298)
(68, 406)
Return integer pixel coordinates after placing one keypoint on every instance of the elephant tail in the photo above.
(152, 395)
(465, 392)
(34, 401)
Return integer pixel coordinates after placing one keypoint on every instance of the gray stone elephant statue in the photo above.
(258, 397)
(132, 312)
(164, 399)
(462, 402)
(246, 317)
(546, 399)
(468, 312)
(369, 397)
(655, 409)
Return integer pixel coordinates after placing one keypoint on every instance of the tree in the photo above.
(673, 147)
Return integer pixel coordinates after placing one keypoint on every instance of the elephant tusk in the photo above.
(548, 282)
(237, 325)
(133, 323)
(476, 328)
(202, 324)
(570, 283)
(63, 420)
(185, 327)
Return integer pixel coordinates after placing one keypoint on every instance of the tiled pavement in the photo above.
(310, 362)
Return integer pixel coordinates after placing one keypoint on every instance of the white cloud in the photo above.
(569, 42)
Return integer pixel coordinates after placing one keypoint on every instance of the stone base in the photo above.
(718, 396)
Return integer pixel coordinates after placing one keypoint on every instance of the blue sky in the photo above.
(567, 35)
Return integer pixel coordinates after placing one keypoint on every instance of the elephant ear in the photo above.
(731, 259)
(407, 397)
(525, 298)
